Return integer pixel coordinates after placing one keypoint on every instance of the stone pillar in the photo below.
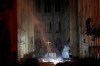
(73, 28)
(25, 28)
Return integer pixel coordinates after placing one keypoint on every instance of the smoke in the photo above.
(38, 24)
(42, 35)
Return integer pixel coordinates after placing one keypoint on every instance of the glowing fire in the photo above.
(54, 60)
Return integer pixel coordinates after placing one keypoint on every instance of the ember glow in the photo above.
(53, 60)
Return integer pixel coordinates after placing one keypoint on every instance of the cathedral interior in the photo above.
(63, 32)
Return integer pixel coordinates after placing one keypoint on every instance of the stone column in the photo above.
(73, 28)
(25, 28)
